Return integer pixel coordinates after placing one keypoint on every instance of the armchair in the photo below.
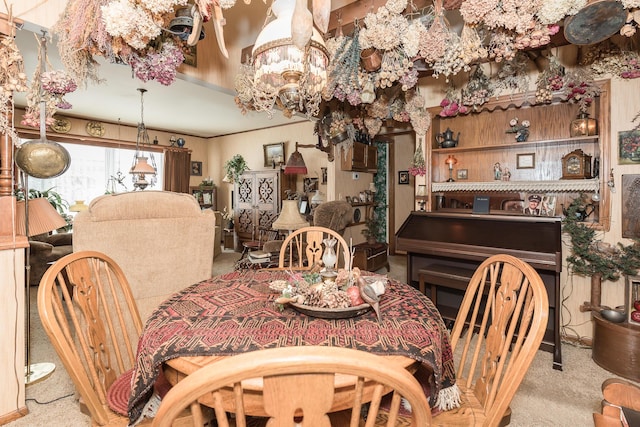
(44, 250)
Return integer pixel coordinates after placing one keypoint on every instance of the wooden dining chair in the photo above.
(298, 384)
(620, 404)
(504, 313)
(303, 248)
(89, 314)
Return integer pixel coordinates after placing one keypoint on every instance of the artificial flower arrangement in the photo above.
(227, 217)
(12, 79)
(580, 90)
(418, 166)
(50, 87)
(308, 288)
(521, 130)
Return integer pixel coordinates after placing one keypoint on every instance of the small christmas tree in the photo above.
(594, 258)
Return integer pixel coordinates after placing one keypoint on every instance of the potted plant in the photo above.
(371, 230)
(591, 257)
(235, 167)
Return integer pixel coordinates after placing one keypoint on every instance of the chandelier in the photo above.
(283, 71)
(141, 169)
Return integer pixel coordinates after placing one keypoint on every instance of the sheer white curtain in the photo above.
(93, 172)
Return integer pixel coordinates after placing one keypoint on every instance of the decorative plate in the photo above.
(96, 129)
(356, 215)
(331, 313)
(62, 125)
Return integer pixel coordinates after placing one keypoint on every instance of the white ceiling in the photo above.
(190, 108)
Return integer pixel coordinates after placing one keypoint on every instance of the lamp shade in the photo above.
(78, 206)
(295, 165)
(43, 217)
(289, 218)
(141, 166)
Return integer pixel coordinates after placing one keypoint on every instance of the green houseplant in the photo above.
(235, 167)
(591, 257)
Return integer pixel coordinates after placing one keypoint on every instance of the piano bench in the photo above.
(443, 275)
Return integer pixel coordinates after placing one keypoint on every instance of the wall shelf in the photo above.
(566, 185)
(528, 144)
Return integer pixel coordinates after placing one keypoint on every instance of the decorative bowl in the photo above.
(331, 313)
(612, 315)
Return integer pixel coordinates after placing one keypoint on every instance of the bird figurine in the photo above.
(369, 296)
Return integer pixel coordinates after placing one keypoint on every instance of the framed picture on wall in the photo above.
(629, 147)
(273, 154)
(196, 168)
(631, 206)
(403, 177)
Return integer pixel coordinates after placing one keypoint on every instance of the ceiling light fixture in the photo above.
(141, 168)
(283, 71)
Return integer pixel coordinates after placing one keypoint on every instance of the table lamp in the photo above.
(78, 206)
(289, 218)
(450, 161)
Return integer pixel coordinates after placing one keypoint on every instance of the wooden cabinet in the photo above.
(206, 196)
(360, 158)
(258, 198)
(534, 165)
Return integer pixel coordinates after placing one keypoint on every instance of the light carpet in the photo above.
(547, 397)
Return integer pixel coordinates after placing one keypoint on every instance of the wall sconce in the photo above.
(296, 165)
(421, 196)
(450, 161)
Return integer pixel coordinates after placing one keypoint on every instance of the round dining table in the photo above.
(236, 313)
(178, 369)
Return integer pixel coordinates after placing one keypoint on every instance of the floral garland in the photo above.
(12, 79)
(48, 87)
(580, 89)
(418, 166)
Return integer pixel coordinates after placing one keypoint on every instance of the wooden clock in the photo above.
(576, 165)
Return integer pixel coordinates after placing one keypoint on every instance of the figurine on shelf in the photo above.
(506, 174)
(521, 130)
(497, 171)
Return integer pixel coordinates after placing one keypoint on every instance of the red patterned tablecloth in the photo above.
(235, 313)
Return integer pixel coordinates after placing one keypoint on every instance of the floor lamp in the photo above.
(33, 217)
(39, 158)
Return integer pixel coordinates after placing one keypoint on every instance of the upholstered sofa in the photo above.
(162, 240)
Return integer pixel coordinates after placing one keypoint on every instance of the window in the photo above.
(94, 171)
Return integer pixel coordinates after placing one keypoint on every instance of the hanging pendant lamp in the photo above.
(141, 169)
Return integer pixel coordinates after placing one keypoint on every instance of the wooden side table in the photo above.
(616, 347)
(371, 256)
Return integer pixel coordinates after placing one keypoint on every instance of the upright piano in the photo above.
(461, 241)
